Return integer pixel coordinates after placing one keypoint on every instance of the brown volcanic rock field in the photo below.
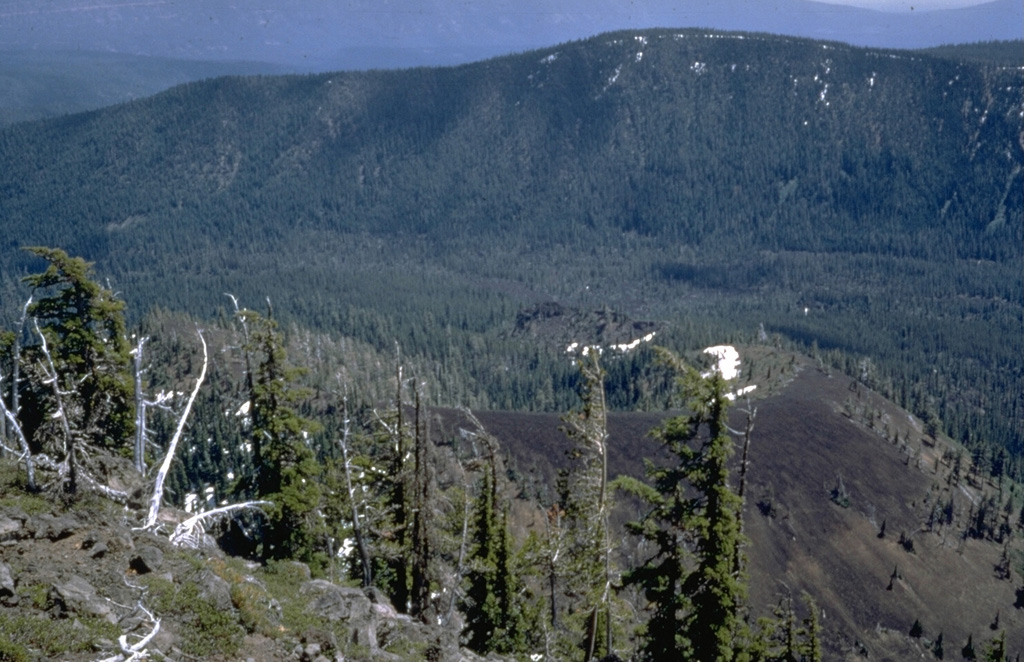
(818, 427)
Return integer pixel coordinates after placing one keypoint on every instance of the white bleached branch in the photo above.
(26, 452)
(357, 528)
(136, 651)
(53, 378)
(187, 533)
(140, 411)
(158, 488)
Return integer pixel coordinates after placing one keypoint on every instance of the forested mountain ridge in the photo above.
(866, 200)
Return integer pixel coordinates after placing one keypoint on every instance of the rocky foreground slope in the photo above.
(84, 585)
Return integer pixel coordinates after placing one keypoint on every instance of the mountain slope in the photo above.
(866, 200)
(815, 428)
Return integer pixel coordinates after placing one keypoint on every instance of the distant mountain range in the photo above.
(67, 56)
(360, 34)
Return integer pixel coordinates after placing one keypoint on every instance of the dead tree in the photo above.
(158, 488)
(354, 502)
(26, 452)
(139, 451)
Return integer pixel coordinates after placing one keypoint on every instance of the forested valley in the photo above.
(867, 201)
(426, 508)
(361, 265)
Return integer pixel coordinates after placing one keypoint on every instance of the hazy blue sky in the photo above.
(327, 33)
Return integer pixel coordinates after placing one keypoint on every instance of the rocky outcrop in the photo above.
(341, 603)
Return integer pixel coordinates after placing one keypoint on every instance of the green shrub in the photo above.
(20, 633)
(12, 652)
(207, 630)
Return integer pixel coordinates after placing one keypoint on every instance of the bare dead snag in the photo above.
(357, 527)
(139, 453)
(158, 488)
(26, 452)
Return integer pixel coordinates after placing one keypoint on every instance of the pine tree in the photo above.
(780, 639)
(811, 649)
(968, 650)
(586, 566)
(995, 650)
(84, 392)
(285, 469)
(693, 583)
(937, 649)
(420, 552)
(494, 617)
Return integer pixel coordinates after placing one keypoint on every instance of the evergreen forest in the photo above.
(292, 276)
(867, 203)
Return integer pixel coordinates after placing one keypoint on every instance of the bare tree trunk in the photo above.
(69, 467)
(554, 522)
(26, 452)
(357, 526)
(421, 505)
(460, 565)
(744, 463)
(16, 356)
(3, 421)
(140, 412)
(158, 488)
(593, 429)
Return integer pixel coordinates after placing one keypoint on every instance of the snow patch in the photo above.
(743, 391)
(584, 350)
(549, 59)
(614, 77)
(625, 347)
(728, 361)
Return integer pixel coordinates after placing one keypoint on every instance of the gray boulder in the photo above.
(216, 589)
(147, 559)
(6, 581)
(78, 597)
(10, 529)
(342, 603)
(50, 527)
